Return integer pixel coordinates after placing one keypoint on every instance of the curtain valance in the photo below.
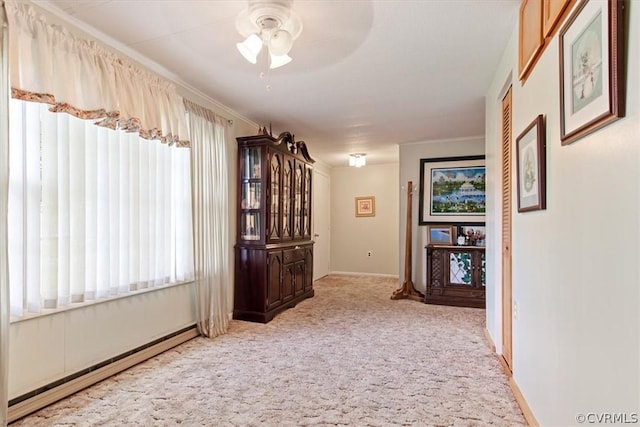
(82, 78)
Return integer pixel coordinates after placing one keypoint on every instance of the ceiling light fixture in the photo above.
(358, 159)
(268, 23)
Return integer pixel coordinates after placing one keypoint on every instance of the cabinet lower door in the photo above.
(274, 276)
(308, 271)
(288, 282)
(461, 268)
(298, 272)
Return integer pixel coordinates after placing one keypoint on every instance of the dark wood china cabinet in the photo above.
(274, 250)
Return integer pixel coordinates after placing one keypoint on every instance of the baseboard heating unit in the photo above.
(46, 395)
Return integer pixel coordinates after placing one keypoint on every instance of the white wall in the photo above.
(47, 348)
(410, 155)
(576, 277)
(352, 237)
(493, 152)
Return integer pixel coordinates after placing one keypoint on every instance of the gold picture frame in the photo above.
(440, 234)
(366, 206)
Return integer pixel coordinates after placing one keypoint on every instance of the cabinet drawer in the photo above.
(293, 255)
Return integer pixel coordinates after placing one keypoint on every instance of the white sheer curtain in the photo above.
(93, 212)
(4, 187)
(210, 218)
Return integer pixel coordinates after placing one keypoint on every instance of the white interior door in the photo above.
(321, 224)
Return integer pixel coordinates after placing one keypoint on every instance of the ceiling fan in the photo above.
(268, 24)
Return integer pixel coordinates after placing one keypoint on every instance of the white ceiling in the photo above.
(366, 75)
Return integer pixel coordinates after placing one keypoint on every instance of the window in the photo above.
(93, 212)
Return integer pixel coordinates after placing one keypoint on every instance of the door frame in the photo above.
(506, 192)
(326, 234)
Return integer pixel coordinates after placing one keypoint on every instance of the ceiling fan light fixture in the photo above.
(358, 160)
(269, 23)
(280, 42)
(250, 48)
(279, 60)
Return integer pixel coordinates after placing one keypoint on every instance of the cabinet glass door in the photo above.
(251, 193)
(297, 202)
(274, 213)
(252, 159)
(460, 268)
(287, 182)
(306, 211)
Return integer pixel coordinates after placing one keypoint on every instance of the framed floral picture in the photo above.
(531, 166)
(592, 71)
(366, 206)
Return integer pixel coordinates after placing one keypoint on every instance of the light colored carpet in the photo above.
(350, 356)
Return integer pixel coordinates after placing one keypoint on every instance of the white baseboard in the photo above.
(66, 389)
(354, 273)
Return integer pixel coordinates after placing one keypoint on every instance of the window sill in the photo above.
(84, 304)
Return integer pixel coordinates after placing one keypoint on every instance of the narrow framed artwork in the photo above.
(452, 190)
(366, 206)
(592, 87)
(531, 165)
(440, 234)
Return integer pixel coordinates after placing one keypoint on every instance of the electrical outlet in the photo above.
(369, 253)
(515, 310)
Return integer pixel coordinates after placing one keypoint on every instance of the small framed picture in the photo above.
(366, 206)
(531, 165)
(440, 234)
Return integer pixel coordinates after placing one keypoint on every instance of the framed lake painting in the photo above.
(452, 190)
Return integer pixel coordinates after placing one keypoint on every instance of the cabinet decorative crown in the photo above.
(294, 146)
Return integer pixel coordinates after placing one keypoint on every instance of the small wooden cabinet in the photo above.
(538, 22)
(531, 38)
(456, 275)
(552, 12)
(274, 250)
